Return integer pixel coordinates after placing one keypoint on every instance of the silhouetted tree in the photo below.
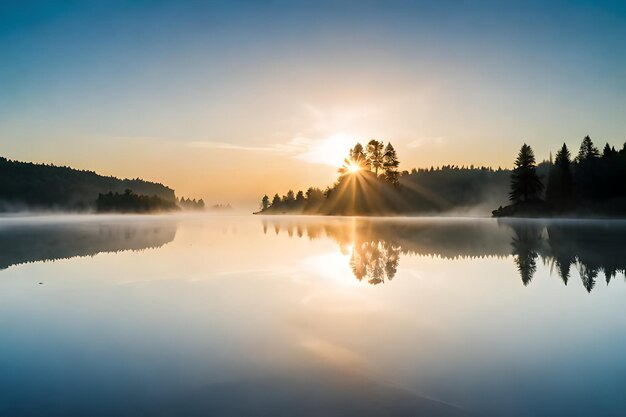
(189, 204)
(525, 183)
(358, 157)
(375, 155)
(390, 164)
(560, 181)
(265, 202)
(608, 152)
(276, 201)
(129, 202)
(587, 150)
(300, 199)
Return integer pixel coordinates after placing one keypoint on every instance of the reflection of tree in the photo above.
(375, 245)
(588, 276)
(591, 247)
(376, 260)
(526, 244)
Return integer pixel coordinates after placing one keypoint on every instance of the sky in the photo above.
(228, 100)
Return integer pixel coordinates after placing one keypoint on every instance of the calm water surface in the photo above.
(286, 316)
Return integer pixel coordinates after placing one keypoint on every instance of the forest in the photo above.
(38, 187)
(593, 183)
(370, 183)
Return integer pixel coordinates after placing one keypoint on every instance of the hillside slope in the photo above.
(25, 185)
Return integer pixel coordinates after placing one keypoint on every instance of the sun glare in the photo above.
(353, 168)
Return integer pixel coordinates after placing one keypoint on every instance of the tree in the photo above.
(390, 164)
(608, 151)
(300, 198)
(587, 150)
(314, 195)
(560, 181)
(265, 202)
(525, 183)
(357, 155)
(525, 243)
(276, 201)
(356, 161)
(375, 154)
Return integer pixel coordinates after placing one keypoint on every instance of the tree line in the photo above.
(189, 204)
(130, 202)
(591, 183)
(370, 182)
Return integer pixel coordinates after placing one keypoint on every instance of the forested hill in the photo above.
(25, 185)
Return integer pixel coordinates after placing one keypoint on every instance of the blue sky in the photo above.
(183, 91)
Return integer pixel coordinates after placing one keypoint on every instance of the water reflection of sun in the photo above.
(332, 266)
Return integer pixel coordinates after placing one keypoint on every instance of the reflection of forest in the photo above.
(24, 243)
(375, 245)
(590, 247)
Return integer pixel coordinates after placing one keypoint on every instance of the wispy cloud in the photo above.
(328, 151)
(419, 142)
(223, 145)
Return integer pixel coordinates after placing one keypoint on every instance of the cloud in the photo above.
(231, 146)
(328, 151)
(419, 142)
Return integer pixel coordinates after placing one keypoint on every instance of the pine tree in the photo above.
(608, 151)
(587, 150)
(375, 154)
(525, 184)
(390, 164)
(276, 201)
(265, 202)
(560, 182)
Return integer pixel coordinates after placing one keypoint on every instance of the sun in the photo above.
(350, 166)
(353, 168)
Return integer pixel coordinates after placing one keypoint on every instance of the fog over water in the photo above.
(276, 315)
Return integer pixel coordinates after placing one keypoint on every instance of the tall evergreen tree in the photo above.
(525, 183)
(587, 150)
(276, 201)
(375, 154)
(390, 164)
(609, 151)
(265, 202)
(560, 182)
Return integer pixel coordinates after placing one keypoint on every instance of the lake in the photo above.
(227, 315)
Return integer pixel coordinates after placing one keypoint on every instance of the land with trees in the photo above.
(44, 187)
(591, 184)
(370, 183)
